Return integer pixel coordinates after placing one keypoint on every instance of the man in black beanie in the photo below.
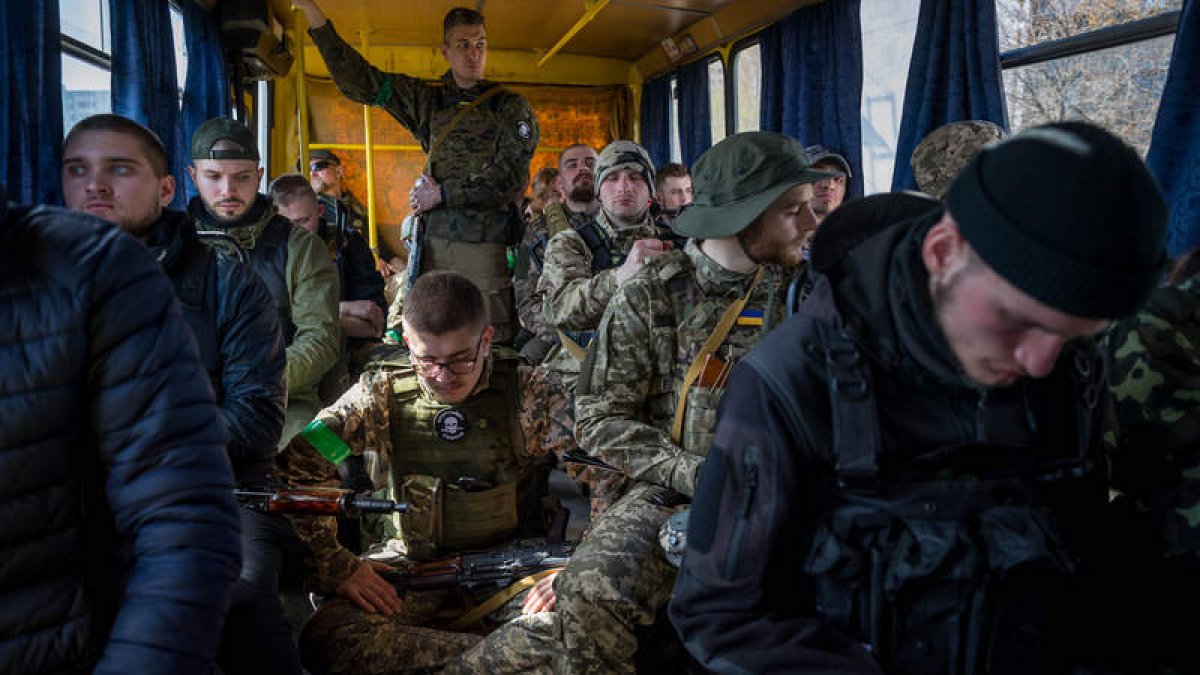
(907, 476)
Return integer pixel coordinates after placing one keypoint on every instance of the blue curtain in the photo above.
(1174, 155)
(31, 126)
(954, 75)
(206, 92)
(695, 115)
(144, 86)
(812, 80)
(656, 119)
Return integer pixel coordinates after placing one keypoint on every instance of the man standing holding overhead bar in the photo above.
(479, 138)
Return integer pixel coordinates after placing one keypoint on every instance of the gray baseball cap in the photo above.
(224, 129)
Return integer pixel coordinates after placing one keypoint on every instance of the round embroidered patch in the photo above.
(523, 130)
(450, 425)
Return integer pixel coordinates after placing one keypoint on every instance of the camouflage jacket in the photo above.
(483, 163)
(575, 298)
(654, 327)
(361, 419)
(530, 299)
(1155, 385)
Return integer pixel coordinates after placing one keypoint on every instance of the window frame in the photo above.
(1097, 40)
(732, 84)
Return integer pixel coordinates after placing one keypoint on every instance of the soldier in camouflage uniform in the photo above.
(939, 156)
(1155, 386)
(453, 407)
(647, 398)
(476, 171)
(582, 269)
(576, 182)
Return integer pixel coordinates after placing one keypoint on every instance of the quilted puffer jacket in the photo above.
(118, 528)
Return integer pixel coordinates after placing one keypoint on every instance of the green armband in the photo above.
(385, 93)
(326, 442)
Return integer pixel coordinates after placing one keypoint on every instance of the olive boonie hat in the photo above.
(738, 178)
(224, 129)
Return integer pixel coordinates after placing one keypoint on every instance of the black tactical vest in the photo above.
(268, 257)
(195, 278)
(962, 559)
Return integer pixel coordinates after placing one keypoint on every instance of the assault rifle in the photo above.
(469, 570)
(321, 501)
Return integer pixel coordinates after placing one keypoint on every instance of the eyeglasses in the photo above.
(320, 166)
(458, 367)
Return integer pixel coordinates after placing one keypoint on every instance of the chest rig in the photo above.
(458, 465)
(683, 328)
(958, 559)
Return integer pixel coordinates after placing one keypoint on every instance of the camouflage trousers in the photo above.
(618, 579)
(602, 485)
(340, 638)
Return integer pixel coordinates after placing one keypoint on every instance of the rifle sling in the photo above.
(458, 116)
(497, 601)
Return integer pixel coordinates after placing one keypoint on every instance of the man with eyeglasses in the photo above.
(458, 423)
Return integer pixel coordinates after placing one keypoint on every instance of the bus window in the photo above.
(1117, 87)
(716, 98)
(747, 80)
(181, 56)
(676, 150)
(888, 30)
(86, 60)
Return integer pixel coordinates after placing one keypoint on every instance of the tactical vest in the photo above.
(268, 257)
(692, 316)
(195, 278)
(457, 465)
(959, 562)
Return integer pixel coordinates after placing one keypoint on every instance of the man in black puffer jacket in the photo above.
(117, 169)
(119, 546)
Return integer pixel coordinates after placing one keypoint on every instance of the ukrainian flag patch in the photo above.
(750, 317)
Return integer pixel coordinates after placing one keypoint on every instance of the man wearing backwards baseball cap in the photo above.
(695, 311)
(908, 475)
(292, 261)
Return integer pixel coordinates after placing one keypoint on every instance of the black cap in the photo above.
(1069, 214)
(224, 129)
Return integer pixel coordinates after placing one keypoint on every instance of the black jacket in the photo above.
(119, 542)
(741, 603)
(232, 315)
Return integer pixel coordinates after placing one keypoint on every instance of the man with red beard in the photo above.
(646, 399)
(576, 166)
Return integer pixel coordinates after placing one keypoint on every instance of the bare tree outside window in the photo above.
(1117, 88)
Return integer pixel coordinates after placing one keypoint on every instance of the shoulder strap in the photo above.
(710, 345)
(458, 116)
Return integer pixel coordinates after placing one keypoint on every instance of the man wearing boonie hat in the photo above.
(909, 475)
(292, 261)
(647, 396)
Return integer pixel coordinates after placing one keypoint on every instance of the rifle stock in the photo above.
(469, 570)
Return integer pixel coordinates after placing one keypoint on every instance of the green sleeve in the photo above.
(312, 283)
(403, 97)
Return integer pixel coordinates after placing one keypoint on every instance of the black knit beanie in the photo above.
(1069, 214)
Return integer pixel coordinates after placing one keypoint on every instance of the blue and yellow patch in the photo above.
(750, 317)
